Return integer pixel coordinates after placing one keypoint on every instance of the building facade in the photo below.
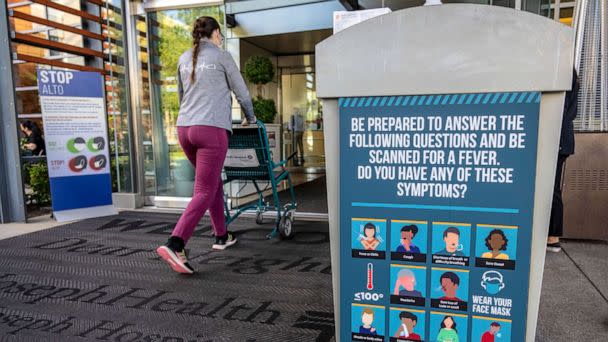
(135, 45)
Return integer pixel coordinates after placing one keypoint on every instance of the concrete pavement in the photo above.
(574, 304)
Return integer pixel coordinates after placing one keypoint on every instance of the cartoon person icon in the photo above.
(449, 285)
(496, 242)
(405, 284)
(489, 335)
(451, 237)
(367, 319)
(448, 332)
(407, 235)
(406, 329)
(369, 240)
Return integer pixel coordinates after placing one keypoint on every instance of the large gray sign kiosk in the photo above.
(442, 131)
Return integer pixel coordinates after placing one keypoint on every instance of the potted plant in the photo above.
(259, 71)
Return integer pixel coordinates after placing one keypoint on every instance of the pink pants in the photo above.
(206, 148)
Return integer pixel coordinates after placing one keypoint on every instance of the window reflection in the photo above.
(116, 98)
(170, 36)
(300, 98)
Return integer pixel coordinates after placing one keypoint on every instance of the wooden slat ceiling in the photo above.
(70, 10)
(39, 42)
(53, 45)
(56, 63)
(45, 22)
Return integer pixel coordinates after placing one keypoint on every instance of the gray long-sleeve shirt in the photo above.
(207, 100)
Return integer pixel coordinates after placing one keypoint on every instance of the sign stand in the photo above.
(76, 137)
(445, 138)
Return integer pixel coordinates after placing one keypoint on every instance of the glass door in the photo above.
(302, 117)
(169, 35)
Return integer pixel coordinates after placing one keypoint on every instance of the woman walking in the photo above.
(206, 76)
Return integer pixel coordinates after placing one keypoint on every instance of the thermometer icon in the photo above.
(370, 276)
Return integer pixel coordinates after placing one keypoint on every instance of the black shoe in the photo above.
(554, 247)
(225, 241)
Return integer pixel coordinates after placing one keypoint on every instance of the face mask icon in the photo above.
(492, 282)
(98, 162)
(78, 163)
(96, 144)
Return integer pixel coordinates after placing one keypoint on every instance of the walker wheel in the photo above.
(286, 227)
(259, 217)
(292, 215)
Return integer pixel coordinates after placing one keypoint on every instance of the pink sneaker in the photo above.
(177, 260)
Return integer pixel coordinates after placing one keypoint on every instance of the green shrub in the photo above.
(25, 171)
(39, 181)
(113, 174)
(259, 70)
(265, 109)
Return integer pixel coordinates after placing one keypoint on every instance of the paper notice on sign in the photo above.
(241, 158)
(346, 19)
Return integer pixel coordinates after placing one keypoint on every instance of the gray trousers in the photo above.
(299, 145)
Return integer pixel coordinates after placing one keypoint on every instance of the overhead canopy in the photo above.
(418, 51)
(286, 44)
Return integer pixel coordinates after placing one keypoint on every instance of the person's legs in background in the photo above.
(556, 223)
(300, 147)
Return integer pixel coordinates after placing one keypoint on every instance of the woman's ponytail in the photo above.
(203, 28)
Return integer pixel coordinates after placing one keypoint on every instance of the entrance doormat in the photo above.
(100, 279)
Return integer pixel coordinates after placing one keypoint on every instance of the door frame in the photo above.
(164, 5)
(149, 7)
